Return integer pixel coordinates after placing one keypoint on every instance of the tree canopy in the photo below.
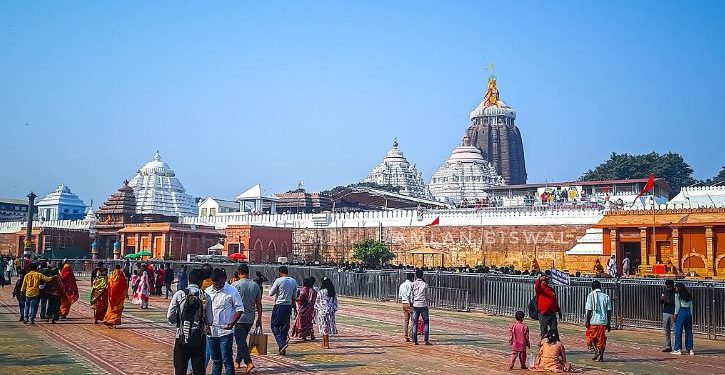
(387, 187)
(718, 179)
(670, 166)
(372, 252)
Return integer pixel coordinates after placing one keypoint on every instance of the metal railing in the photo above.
(635, 301)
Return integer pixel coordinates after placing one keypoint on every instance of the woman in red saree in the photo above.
(303, 327)
(68, 290)
(99, 295)
(117, 295)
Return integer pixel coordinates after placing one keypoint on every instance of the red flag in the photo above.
(647, 187)
(436, 221)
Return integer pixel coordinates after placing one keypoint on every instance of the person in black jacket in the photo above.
(667, 300)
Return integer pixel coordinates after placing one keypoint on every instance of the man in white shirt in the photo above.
(284, 290)
(625, 266)
(612, 266)
(419, 301)
(404, 295)
(224, 308)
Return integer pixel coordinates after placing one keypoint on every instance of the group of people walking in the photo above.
(108, 295)
(41, 287)
(551, 356)
(212, 315)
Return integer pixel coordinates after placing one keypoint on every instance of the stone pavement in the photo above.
(370, 342)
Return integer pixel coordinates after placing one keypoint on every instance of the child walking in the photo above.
(519, 340)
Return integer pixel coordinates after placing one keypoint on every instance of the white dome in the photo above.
(395, 170)
(493, 111)
(465, 175)
(158, 191)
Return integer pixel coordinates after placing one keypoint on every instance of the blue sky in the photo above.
(234, 92)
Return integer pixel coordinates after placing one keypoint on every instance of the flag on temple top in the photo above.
(647, 187)
(435, 221)
(559, 277)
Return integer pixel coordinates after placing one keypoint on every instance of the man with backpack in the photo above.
(187, 311)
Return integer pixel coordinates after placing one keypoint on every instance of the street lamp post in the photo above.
(28, 245)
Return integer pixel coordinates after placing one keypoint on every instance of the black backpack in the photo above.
(534, 308)
(190, 321)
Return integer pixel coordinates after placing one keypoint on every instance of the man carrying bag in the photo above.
(251, 295)
(258, 341)
(186, 311)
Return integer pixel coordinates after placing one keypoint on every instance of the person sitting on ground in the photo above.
(552, 354)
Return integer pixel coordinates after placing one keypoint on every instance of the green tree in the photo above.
(719, 178)
(670, 166)
(372, 252)
(387, 187)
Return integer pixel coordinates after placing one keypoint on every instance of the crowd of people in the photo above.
(214, 313)
(550, 356)
(41, 288)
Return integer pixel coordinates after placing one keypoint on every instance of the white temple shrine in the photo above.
(158, 191)
(61, 204)
(464, 177)
(254, 201)
(395, 170)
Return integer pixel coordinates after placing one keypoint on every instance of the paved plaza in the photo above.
(370, 342)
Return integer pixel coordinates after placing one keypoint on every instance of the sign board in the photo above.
(559, 277)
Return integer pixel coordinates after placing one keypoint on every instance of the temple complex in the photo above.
(166, 240)
(158, 191)
(395, 170)
(117, 211)
(677, 240)
(464, 177)
(493, 131)
(61, 204)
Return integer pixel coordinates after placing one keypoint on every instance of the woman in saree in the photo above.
(552, 354)
(99, 295)
(325, 310)
(141, 295)
(68, 291)
(303, 327)
(117, 295)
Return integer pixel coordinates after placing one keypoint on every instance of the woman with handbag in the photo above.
(325, 309)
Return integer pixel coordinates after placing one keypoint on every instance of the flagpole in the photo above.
(654, 226)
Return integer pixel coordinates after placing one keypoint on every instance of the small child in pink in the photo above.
(519, 340)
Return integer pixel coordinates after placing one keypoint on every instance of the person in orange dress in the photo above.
(117, 295)
(68, 291)
(552, 355)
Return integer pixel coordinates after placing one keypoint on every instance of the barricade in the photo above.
(635, 301)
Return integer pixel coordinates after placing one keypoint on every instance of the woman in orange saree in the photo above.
(99, 295)
(68, 290)
(117, 295)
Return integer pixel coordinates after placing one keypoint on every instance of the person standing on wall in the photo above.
(548, 304)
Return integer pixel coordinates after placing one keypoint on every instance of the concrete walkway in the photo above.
(370, 342)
